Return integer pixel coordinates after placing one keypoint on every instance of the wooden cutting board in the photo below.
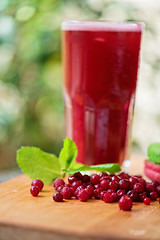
(40, 218)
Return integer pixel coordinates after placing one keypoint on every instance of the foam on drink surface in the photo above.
(69, 25)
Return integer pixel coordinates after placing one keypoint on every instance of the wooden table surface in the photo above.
(25, 217)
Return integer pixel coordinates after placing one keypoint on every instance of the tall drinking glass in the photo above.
(100, 62)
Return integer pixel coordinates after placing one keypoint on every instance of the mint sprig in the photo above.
(46, 166)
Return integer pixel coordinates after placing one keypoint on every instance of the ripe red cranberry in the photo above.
(138, 187)
(104, 184)
(59, 188)
(158, 190)
(75, 185)
(102, 194)
(123, 175)
(102, 174)
(142, 196)
(159, 200)
(58, 182)
(58, 197)
(141, 180)
(147, 201)
(132, 181)
(97, 185)
(34, 191)
(95, 179)
(85, 178)
(153, 196)
(115, 197)
(38, 183)
(83, 195)
(75, 193)
(116, 178)
(124, 184)
(72, 179)
(67, 192)
(114, 185)
(150, 187)
(155, 183)
(110, 191)
(108, 198)
(90, 190)
(78, 175)
(133, 195)
(121, 192)
(109, 178)
(96, 193)
(125, 203)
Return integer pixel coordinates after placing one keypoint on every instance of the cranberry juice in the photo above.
(100, 75)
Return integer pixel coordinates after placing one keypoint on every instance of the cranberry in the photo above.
(150, 187)
(102, 174)
(121, 192)
(102, 194)
(123, 175)
(115, 197)
(158, 190)
(147, 201)
(104, 184)
(94, 179)
(116, 178)
(78, 175)
(108, 198)
(90, 190)
(34, 191)
(138, 187)
(141, 180)
(59, 188)
(109, 178)
(58, 182)
(110, 191)
(124, 184)
(96, 193)
(132, 181)
(153, 196)
(159, 200)
(75, 185)
(83, 195)
(113, 185)
(72, 179)
(38, 183)
(133, 195)
(155, 183)
(142, 196)
(67, 192)
(125, 203)
(58, 197)
(85, 178)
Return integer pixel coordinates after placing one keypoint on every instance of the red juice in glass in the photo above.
(100, 61)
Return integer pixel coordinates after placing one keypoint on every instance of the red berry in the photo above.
(155, 183)
(141, 180)
(102, 174)
(34, 191)
(85, 178)
(75, 185)
(158, 190)
(96, 193)
(116, 178)
(147, 201)
(138, 187)
(121, 192)
(58, 182)
(123, 175)
(142, 196)
(109, 178)
(102, 194)
(83, 195)
(132, 181)
(67, 192)
(104, 184)
(110, 191)
(58, 197)
(108, 198)
(133, 195)
(113, 185)
(90, 190)
(94, 179)
(72, 179)
(153, 196)
(124, 184)
(115, 197)
(150, 187)
(78, 175)
(125, 203)
(38, 183)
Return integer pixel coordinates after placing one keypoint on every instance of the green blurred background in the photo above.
(31, 102)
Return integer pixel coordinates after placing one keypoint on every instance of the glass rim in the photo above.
(102, 25)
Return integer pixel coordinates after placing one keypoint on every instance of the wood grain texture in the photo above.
(25, 217)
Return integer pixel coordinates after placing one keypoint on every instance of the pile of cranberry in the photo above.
(121, 188)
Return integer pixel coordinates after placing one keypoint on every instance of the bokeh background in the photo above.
(31, 102)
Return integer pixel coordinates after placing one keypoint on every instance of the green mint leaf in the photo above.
(38, 164)
(109, 167)
(68, 154)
